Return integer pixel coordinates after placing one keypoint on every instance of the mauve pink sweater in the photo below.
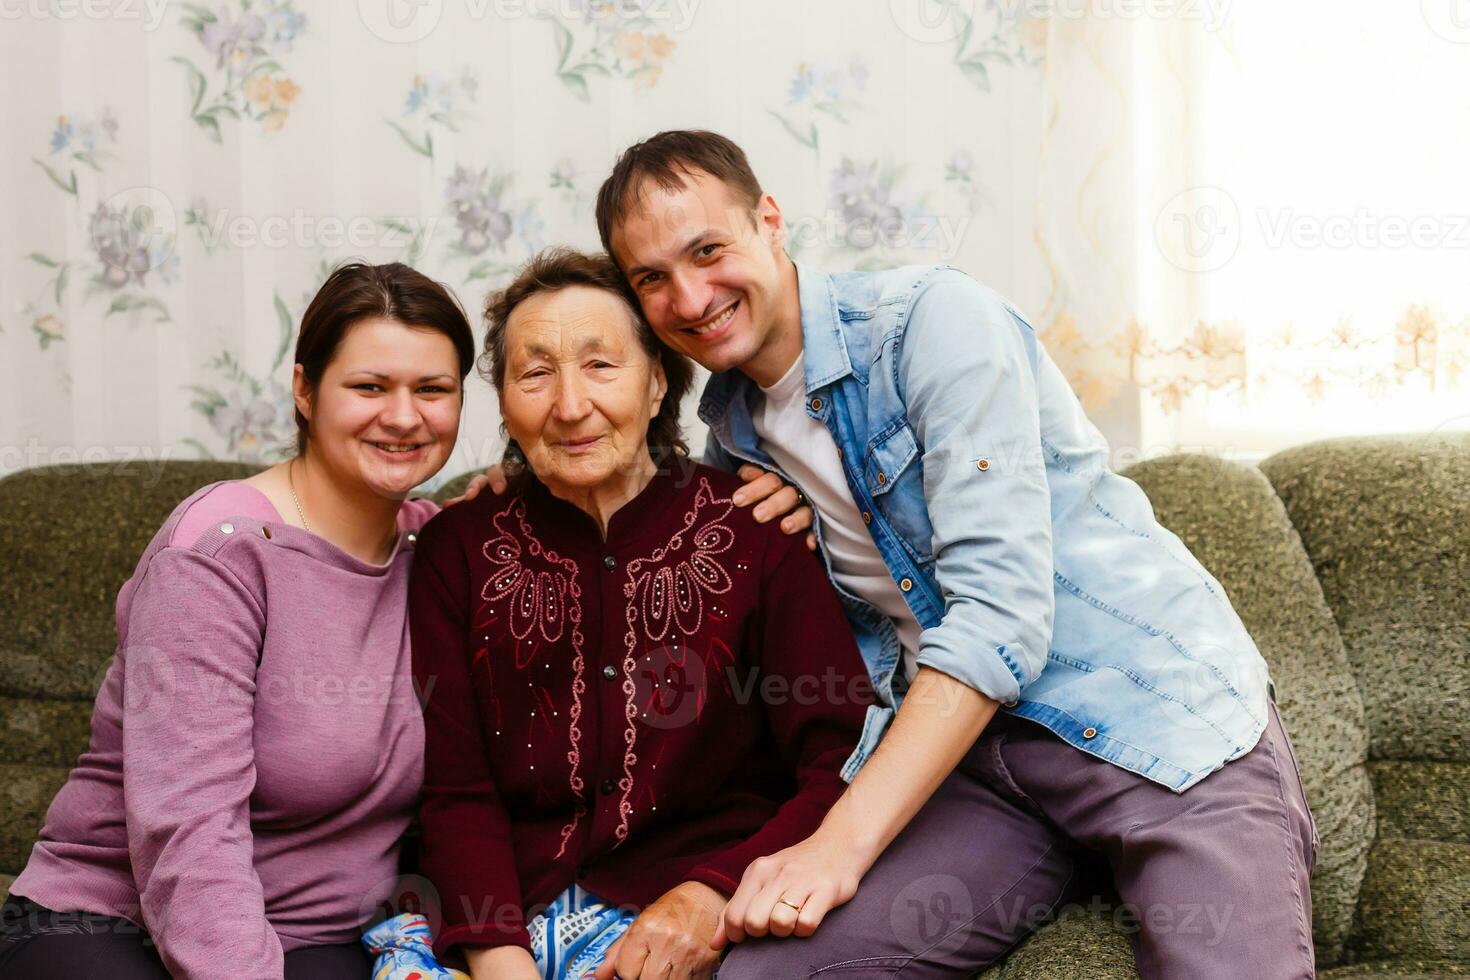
(256, 746)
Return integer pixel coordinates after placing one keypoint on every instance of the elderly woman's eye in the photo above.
(708, 250)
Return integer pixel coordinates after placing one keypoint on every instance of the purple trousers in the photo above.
(1214, 881)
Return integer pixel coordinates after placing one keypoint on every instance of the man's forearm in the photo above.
(939, 720)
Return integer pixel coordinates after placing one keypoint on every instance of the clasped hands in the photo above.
(683, 934)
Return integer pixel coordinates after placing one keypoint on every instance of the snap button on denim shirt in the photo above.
(1041, 578)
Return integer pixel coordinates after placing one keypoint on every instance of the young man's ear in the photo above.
(769, 221)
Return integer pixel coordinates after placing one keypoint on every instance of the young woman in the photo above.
(256, 747)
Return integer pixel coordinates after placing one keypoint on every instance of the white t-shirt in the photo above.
(806, 452)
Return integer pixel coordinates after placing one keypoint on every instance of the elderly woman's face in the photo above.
(579, 390)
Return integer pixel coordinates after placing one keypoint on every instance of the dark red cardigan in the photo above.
(664, 706)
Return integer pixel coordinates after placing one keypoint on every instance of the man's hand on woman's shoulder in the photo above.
(772, 497)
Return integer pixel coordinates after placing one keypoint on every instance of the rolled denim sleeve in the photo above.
(967, 368)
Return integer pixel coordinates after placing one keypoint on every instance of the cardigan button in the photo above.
(1089, 733)
(906, 584)
(610, 672)
(607, 787)
(609, 563)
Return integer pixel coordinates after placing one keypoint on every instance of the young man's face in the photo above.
(706, 269)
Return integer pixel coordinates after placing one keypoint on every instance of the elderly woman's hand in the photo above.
(772, 498)
(670, 938)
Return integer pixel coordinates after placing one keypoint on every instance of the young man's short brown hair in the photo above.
(667, 159)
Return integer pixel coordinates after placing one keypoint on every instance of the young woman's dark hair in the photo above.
(356, 291)
(559, 268)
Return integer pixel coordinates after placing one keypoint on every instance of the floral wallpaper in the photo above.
(182, 178)
(237, 75)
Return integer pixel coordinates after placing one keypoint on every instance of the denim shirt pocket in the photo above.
(893, 474)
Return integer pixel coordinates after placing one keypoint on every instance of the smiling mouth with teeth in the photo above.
(396, 447)
(716, 323)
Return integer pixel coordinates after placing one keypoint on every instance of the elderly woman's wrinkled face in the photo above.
(579, 390)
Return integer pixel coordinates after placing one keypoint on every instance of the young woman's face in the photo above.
(579, 389)
(386, 411)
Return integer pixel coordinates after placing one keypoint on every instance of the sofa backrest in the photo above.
(1386, 523)
(1232, 520)
(72, 535)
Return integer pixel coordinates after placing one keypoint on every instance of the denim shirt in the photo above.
(1040, 577)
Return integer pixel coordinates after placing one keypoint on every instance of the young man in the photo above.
(1069, 682)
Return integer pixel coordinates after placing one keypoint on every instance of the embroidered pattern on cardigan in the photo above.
(541, 601)
(668, 600)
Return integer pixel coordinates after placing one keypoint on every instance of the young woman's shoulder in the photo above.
(218, 504)
(415, 513)
(179, 562)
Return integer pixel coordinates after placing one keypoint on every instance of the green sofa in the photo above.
(1349, 560)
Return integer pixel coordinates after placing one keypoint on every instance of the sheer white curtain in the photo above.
(1255, 220)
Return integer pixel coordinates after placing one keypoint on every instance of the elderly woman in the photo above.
(633, 689)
